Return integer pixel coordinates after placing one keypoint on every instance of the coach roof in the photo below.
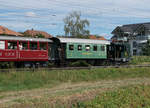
(24, 39)
(88, 41)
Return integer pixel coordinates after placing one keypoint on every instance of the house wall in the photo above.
(137, 42)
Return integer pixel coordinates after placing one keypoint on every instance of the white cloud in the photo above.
(21, 26)
(106, 35)
(30, 14)
(104, 14)
(124, 8)
(8, 14)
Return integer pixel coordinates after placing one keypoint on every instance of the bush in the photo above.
(51, 65)
(140, 60)
(79, 63)
(7, 65)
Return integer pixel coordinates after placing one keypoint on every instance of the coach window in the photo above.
(95, 48)
(87, 47)
(12, 45)
(102, 48)
(79, 47)
(43, 46)
(23, 45)
(2, 44)
(33, 45)
(71, 47)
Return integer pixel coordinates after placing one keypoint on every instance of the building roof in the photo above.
(131, 28)
(101, 38)
(97, 38)
(4, 37)
(86, 41)
(34, 33)
(92, 37)
(6, 31)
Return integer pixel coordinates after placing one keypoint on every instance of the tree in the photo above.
(146, 48)
(26, 35)
(40, 35)
(75, 26)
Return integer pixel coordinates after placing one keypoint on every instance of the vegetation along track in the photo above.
(71, 68)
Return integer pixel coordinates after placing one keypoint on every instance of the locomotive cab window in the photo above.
(79, 47)
(12, 45)
(71, 47)
(102, 48)
(33, 45)
(2, 44)
(87, 47)
(43, 46)
(95, 48)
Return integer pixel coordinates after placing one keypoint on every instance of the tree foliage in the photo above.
(39, 36)
(75, 26)
(26, 35)
(146, 48)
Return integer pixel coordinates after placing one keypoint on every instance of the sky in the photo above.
(48, 15)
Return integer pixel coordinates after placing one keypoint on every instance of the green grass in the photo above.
(140, 60)
(13, 81)
(128, 97)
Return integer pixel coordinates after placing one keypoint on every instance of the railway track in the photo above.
(71, 68)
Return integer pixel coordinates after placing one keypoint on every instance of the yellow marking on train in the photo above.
(71, 54)
(86, 53)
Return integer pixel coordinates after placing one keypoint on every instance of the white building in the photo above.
(135, 34)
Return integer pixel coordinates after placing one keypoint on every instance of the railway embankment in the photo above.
(76, 88)
(32, 88)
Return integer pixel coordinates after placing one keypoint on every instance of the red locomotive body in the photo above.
(23, 49)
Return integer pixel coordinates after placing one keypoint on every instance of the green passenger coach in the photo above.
(95, 52)
(86, 51)
(84, 48)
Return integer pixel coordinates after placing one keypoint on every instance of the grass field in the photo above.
(13, 81)
(127, 97)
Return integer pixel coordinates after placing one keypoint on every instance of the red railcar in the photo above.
(24, 50)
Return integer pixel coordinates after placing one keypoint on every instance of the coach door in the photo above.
(23, 50)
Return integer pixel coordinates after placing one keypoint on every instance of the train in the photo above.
(39, 52)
